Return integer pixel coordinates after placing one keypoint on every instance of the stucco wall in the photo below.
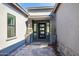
(20, 26)
(67, 25)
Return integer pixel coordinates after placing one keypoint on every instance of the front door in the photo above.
(41, 30)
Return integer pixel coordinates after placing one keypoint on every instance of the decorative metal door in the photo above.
(41, 30)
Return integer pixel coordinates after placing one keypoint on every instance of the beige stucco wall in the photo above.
(20, 26)
(67, 25)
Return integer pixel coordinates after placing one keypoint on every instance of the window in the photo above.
(11, 25)
(48, 28)
(35, 25)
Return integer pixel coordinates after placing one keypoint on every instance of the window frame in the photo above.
(13, 37)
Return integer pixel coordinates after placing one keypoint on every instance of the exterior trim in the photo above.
(30, 9)
(23, 10)
(18, 7)
(56, 8)
(8, 50)
(44, 7)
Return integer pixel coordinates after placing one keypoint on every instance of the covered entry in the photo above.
(41, 30)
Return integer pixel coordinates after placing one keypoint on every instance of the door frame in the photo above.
(39, 21)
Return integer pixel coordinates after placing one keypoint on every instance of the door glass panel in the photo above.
(41, 28)
(41, 35)
(42, 32)
(42, 25)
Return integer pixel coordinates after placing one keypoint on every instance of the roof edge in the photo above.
(20, 8)
(56, 7)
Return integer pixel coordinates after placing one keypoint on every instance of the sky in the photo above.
(26, 5)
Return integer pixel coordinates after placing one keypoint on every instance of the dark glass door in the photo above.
(41, 30)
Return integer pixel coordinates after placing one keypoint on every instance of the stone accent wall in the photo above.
(66, 51)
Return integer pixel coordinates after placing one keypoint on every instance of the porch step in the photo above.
(39, 43)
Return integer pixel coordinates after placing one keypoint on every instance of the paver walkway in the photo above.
(34, 50)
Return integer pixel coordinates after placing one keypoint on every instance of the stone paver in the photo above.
(34, 50)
